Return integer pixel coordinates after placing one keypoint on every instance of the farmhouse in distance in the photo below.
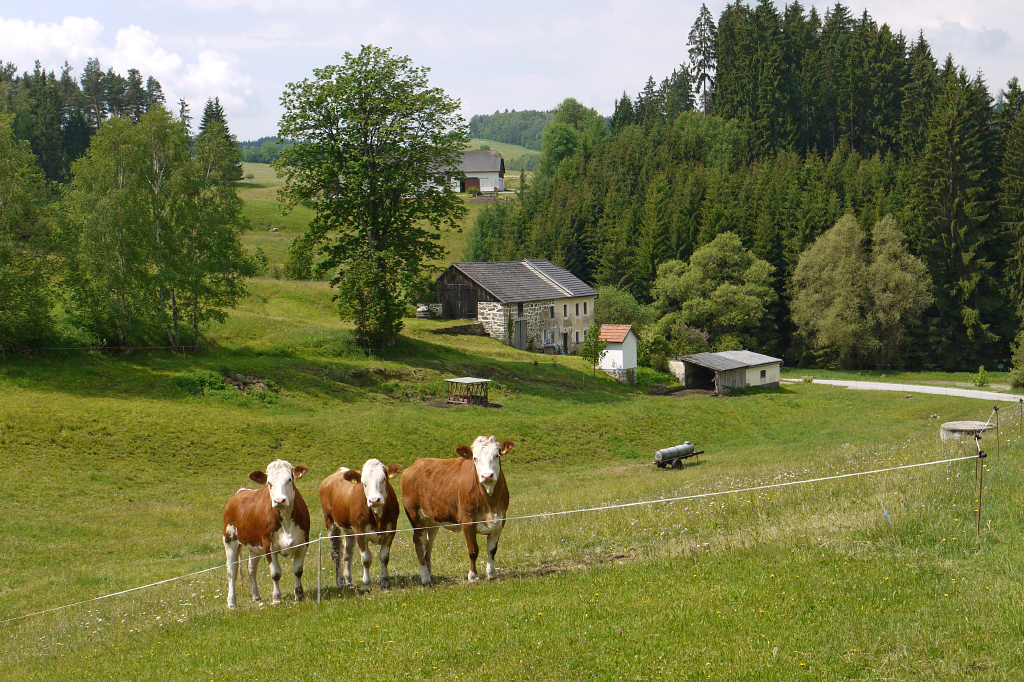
(530, 304)
(484, 170)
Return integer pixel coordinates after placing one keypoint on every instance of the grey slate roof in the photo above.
(730, 359)
(519, 281)
(563, 278)
(481, 161)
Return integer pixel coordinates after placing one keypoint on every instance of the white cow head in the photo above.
(374, 478)
(280, 478)
(486, 455)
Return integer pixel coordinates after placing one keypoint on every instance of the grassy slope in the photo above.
(116, 479)
(263, 210)
(147, 470)
(508, 152)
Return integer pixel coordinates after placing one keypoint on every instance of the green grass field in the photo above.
(273, 231)
(116, 477)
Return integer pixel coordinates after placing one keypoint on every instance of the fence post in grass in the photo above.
(997, 431)
(319, 563)
(981, 481)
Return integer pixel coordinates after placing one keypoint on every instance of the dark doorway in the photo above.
(459, 301)
(699, 377)
(565, 342)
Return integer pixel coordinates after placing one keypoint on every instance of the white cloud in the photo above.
(137, 48)
(23, 42)
(218, 72)
(209, 73)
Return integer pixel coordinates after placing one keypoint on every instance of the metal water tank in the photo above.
(666, 454)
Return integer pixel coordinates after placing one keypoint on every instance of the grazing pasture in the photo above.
(118, 467)
(273, 231)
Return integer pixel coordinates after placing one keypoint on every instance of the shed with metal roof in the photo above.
(728, 370)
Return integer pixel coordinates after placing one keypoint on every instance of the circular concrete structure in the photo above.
(963, 429)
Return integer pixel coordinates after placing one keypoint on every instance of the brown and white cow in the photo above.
(468, 493)
(270, 521)
(364, 504)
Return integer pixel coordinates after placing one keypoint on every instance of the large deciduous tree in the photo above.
(153, 231)
(852, 306)
(375, 148)
(724, 289)
(831, 295)
(25, 295)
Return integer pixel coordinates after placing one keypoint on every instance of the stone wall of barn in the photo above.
(494, 317)
(546, 321)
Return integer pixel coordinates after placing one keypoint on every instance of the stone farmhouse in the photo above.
(530, 304)
(484, 170)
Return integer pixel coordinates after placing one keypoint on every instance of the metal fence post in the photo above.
(997, 432)
(319, 563)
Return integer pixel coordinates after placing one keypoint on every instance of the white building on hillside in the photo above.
(484, 170)
(619, 358)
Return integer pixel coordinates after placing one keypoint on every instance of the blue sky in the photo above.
(513, 55)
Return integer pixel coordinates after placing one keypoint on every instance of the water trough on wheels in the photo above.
(674, 456)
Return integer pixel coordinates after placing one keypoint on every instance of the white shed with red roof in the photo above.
(619, 358)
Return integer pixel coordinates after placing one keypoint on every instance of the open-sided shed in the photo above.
(728, 370)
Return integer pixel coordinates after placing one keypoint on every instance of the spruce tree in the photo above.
(653, 241)
(1011, 208)
(702, 43)
(623, 115)
(953, 201)
(213, 111)
(214, 121)
(919, 96)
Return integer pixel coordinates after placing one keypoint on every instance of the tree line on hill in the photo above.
(58, 116)
(118, 225)
(835, 153)
(523, 128)
(264, 149)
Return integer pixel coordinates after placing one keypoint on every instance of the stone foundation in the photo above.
(625, 376)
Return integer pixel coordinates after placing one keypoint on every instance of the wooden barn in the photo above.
(728, 370)
(530, 304)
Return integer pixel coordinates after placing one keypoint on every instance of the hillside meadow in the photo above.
(118, 468)
(273, 230)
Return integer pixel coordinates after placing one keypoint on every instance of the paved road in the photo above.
(916, 388)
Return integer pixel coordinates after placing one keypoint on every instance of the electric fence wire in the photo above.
(525, 517)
